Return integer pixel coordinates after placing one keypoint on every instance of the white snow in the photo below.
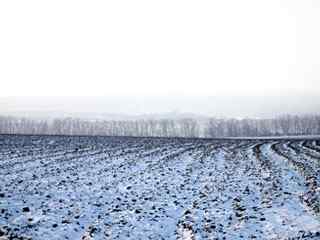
(153, 188)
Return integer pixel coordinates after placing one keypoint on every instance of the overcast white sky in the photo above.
(90, 48)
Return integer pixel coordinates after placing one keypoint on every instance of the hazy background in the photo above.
(227, 58)
(160, 106)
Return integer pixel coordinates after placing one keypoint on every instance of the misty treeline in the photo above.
(211, 127)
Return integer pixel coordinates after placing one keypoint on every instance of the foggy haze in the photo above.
(164, 106)
(217, 58)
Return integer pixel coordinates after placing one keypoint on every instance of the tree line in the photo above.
(187, 127)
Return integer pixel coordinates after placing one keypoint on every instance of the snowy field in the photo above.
(152, 188)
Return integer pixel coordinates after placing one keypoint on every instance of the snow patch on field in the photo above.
(149, 188)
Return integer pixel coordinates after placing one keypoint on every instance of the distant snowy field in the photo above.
(157, 188)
